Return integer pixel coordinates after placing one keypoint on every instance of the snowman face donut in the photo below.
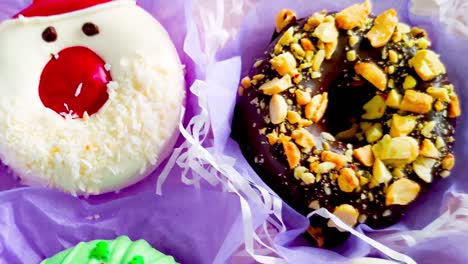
(90, 99)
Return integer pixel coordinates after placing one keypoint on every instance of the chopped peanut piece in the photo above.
(423, 168)
(410, 82)
(402, 125)
(313, 21)
(439, 93)
(284, 18)
(375, 108)
(307, 45)
(372, 73)
(293, 154)
(284, 63)
(302, 98)
(327, 32)
(317, 107)
(347, 180)
(293, 117)
(428, 149)
(380, 174)
(384, 26)
(245, 82)
(402, 192)
(272, 138)
(439, 106)
(318, 60)
(276, 85)
(278, 109)
(427, 129)
(416, 102)
(338, 159)
(396, 151)
(448, 162)
(240, 91)
(324, 167)
(347, 214)
(394, 99)
(303, 138)
(374, 133)
(427, 65)
(365, 155)
(299, 171)
(454, 107)
(353, 16)
(330, 49)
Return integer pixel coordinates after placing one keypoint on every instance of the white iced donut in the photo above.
(90, 100)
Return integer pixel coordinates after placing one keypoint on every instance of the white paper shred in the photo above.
(453, 221)
(450, 12)
(200, 163)
(377, 245)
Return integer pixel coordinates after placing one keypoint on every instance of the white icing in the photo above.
(130, 135)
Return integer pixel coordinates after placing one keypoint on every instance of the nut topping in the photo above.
(402, 192)
(338, 159)
(313, 21)
(293, 117)
(303, 138)
(327, 32)
(384, 26)
(396, 151)
(278, 109)
(353, 16)
(284, 63)
(364, 155)
(293, 154)
(448, 162)
(347, 180)
(284, 18)
(428, 149)
(423, 168)
(439, 93)
(402, 125)
(302, 98)
(375, 108)
(372, 73)
(454, 107)
(394, 99)
(347, 214)
(276, 85)
(316, 108)
(380, 174)
(427, 65)
(416, 102)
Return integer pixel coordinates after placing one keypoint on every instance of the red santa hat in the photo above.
(56, 7)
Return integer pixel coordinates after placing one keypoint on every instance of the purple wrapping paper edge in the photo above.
(254, 36)
(188, 223)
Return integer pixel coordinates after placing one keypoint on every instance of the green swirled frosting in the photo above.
(119, 251)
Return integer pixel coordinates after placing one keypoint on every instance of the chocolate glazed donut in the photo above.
(348, 112)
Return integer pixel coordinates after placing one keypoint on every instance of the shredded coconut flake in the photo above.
(78, 89)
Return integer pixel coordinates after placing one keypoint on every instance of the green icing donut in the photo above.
(119, 251)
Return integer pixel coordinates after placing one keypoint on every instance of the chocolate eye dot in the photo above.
(49, 34)
(90, 29)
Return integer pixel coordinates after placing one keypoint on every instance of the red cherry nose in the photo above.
(74, 82)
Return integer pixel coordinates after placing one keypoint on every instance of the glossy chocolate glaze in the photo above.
(347, 95)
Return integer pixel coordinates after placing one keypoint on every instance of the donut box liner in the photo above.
(203, 224)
